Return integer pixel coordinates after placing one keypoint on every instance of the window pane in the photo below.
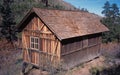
(32, 45)
(36, 40)
(32, 39)
(36, 46)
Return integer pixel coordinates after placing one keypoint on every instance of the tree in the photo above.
(106, 10)
(46, 2)
(84, 9)
(114, 10)
(8, 21)
(111, 20)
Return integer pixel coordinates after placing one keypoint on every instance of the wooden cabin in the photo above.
(53, 37)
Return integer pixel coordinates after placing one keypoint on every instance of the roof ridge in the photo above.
(66, 10)
(60, 9)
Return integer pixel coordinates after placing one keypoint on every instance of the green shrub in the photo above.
(96, 70)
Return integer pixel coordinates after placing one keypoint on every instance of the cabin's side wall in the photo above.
(81, 49)
(49, 46)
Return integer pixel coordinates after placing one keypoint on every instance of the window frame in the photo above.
(34, 43)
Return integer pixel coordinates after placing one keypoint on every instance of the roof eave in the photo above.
(85, 34)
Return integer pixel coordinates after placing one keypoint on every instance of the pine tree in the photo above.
(106, 10)
(46, 2)
(8, 21)
(111, 20)
(115, 13)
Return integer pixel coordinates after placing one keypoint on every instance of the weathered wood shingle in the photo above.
(67, 24)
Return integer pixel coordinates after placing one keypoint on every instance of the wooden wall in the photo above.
(51, 51)
(49, 45)
(80, 49)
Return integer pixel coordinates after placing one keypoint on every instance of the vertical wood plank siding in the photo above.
(49, 46)
(80, 49)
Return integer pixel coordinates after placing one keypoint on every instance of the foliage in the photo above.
(96, 70)
(111, 71)
(115, 70)
(111, 20)
(46, 2)
(20, 7)
(58, 7)
(84, 9)
(8, 20)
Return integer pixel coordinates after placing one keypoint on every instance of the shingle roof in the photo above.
(68, 24)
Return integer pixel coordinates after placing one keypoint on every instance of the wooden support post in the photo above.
(25, 45)
(54, 50)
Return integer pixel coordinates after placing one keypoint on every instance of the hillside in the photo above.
(23, 6)
(20, 7)
(62, 3)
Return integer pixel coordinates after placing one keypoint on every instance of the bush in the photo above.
(111, 71)
(96, 70)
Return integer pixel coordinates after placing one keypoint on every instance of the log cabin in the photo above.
(51, 37)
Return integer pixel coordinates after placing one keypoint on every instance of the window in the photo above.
(34, 42)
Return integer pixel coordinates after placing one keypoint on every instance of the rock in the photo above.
(111, 64)
(35, 72)
(38, 72)
(117, 61)
(26, 67)
(45, 73)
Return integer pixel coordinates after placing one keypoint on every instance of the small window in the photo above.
(34, 43)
